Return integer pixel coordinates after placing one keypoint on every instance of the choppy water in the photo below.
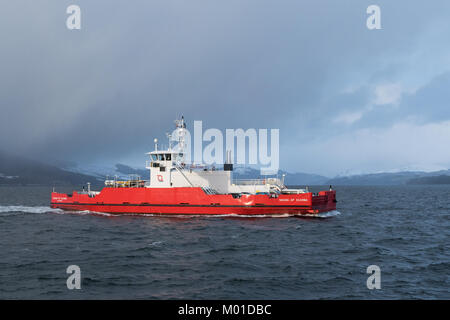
(404, 230)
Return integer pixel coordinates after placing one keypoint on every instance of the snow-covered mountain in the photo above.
(120, 171)
(392, 177)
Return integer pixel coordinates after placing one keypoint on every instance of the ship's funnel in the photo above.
(228, 165)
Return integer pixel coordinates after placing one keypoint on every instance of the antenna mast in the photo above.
(180, 126)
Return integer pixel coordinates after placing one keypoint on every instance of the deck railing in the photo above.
(251, 182)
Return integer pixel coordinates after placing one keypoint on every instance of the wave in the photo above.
(284, 215)
(328, 214)
(236, 215)
(86, 212)
(13, 210)
(26, 209)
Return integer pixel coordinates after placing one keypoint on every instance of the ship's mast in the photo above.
(180, 126)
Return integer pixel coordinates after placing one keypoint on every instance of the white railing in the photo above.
(251, 182)
(248, 182)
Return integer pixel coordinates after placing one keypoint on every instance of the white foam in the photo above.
(284, 215)
(86, 212)
(212, 216)
(328, 214)
(236, 215)
(280, 215)
(13, 210)
(26, 209)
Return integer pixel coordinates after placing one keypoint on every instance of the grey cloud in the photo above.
(108, 89)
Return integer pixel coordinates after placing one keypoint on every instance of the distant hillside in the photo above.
(376, 179)
(16, 170)
(298, 178)
(441, 179)
(242, 173)
(397, 178)
(127, 170)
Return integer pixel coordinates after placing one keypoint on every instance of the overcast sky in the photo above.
(346, 99)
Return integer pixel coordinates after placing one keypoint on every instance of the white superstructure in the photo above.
(168, 170)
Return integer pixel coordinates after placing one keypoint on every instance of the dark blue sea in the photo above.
(405, 230)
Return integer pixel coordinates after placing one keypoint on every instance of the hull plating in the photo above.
(193, 201)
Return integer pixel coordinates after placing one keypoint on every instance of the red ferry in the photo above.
(177, 189)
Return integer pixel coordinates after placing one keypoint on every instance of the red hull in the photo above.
(193, 201)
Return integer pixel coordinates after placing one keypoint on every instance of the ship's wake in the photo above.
(236, 215)
(5, 210)
(328, 214)
(16, 210)
(283, 215)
